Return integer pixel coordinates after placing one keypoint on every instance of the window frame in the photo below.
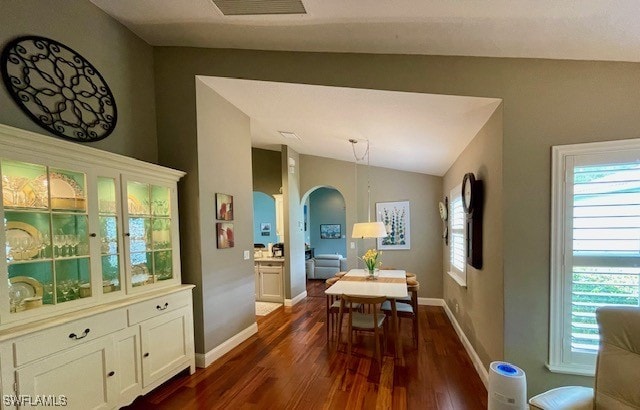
(459, 276)
(560, 282)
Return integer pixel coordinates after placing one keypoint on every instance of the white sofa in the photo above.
(325, 266)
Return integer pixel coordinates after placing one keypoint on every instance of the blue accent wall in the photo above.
(326, 206)
(264, 211)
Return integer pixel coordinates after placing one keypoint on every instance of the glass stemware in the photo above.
(63, 288)
(44, 242)
(74, 241)
(15, 297)
(58, 243)
(48, 293)
(75, 288)
(67, 240)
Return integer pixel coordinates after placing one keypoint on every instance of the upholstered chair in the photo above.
(617, 382)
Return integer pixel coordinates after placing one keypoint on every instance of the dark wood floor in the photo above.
(288, 365)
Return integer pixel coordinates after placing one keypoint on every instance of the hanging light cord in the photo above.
(365, 154)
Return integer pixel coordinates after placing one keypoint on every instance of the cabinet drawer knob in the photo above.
(127, 234)
(93, 235)
(82, 336)
(166, 305)
(146, 355)
(111, 373)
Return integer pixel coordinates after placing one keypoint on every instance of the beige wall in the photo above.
(228, 286)
(545, 102)
(123, 59)
(480, 308)
(387, 185)
(267, 170)
(295, 277)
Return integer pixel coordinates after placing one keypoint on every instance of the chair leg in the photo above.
(416, 329)
(350, 335)
(339, 324)
(378, 356)
(328, 320)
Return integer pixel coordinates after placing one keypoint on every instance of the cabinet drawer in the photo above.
(157, 306)
(271, 264)
(46, 342)
(271, 269)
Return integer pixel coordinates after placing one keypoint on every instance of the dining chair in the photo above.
(368, 322)
(340, 274)
(407, 309)
(333, 306)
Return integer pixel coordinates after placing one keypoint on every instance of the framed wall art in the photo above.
(330, 231)
(224, 235)
(224, 207)
(396, 218)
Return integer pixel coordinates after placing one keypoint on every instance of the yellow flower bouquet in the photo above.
(370, 259)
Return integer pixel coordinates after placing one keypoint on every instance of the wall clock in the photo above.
(58, 89)
(472, 198)
(468, 192)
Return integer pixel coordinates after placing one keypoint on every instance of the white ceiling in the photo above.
(557, 29)
(408, 131)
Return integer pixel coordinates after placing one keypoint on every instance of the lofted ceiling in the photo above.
(556, 29)
(408, 131)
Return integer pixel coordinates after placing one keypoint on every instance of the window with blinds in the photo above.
(595, 245)
(457, 247)
(606, 245)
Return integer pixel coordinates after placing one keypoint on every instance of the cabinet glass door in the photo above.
(109, 234)
(46, 234)
(150, 245)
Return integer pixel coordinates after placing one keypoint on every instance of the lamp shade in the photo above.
(369, 230)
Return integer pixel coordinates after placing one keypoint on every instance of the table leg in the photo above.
(396, 330)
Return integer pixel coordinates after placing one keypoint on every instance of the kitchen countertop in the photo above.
(269, 260)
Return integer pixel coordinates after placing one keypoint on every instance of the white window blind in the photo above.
(457, 249)
(596, 246)
(606, 245)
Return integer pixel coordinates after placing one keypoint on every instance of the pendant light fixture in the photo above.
(366, 229)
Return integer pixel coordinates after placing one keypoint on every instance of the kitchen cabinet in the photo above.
(269, 279)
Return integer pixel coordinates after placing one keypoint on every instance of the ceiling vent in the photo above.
(259, 7)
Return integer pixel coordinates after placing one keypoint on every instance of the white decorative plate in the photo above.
(28, 286)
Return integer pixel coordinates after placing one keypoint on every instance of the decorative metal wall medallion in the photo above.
(58, 88)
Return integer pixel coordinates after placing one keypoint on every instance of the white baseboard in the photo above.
(430, 302)
(475, 359)
(291, 302)
(204, 360)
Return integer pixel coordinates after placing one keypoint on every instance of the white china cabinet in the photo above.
(93, 308)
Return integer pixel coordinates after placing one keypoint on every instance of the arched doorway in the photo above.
(325, 230)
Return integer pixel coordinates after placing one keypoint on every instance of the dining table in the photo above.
(391, 284)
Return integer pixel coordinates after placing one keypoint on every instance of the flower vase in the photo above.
(372, 274)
